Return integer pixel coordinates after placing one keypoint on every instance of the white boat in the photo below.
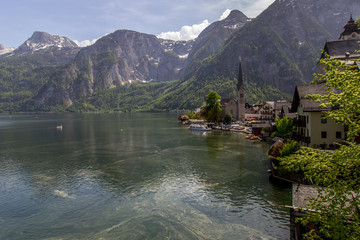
(199, 127)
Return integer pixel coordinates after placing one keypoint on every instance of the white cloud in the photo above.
(225, 14)
(85, 43)
(190, 32)
(186, 32)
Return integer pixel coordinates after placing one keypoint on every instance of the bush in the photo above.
(192, 115)
(228, 118)
(289, 148)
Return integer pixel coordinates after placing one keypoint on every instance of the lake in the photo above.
(134, 176)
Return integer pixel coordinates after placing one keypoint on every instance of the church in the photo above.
(236, 106)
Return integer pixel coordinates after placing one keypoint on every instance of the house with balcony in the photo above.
(313, 129)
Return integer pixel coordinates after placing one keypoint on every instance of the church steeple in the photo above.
(240, 95)
(351, 30)
(240, 77)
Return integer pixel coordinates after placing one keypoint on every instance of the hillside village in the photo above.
(311, 127)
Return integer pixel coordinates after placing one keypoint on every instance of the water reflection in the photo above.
(133, 176)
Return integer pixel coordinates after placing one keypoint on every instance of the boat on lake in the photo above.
(199, 127)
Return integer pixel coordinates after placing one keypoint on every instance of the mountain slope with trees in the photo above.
(127, 70)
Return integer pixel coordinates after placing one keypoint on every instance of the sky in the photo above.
(84, 21)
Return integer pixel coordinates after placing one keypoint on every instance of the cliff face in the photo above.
(118, 58)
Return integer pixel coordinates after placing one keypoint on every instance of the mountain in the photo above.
(127, 70)
(61, 48)
(126, 57)
(4, 50)
(279, 49)
(212, 38)
(24, 70)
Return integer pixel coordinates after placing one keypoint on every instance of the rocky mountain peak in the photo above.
(234, 17)
(42, 41)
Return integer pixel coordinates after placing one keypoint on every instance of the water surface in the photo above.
(133, 176)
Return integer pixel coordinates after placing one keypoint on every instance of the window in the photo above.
(307, 119)
(323, 134)
(338, 135)
(323, 119)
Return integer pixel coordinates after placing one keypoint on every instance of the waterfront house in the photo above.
(313, 129)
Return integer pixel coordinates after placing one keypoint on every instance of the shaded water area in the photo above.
(133, 176)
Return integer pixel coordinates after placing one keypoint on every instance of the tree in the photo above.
(211, 99)
(284, 128)
(335, 174)
(213, 107)
(228, 118)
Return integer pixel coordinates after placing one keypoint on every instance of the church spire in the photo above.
(240, 95)
(240, 77)
(351, 30)
(351, 20)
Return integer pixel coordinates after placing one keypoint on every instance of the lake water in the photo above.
(134, 176)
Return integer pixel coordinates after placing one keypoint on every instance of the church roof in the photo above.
(224, 101)
(350, 27)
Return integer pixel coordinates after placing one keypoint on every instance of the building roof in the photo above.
(225, 101)
(280, 104)
(340, 48)
(308, 104)
(286, 112)
(350, 27)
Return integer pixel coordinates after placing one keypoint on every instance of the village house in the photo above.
(282, 107)
(313, 129)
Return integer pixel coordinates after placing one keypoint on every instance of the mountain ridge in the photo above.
(129, 70)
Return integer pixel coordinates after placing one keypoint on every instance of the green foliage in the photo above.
(211, 99)
(284, 128)
(338, 204)
(21, 78)
(213, 107)
(336, 174)
(191, 115)
(358, 21)
(289, 148)
(214, 114)
(228, 118)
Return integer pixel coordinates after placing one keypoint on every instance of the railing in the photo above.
(302, 138)
(299, 122)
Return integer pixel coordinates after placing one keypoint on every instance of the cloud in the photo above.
(186, 32)
(190, 32)
(225, 14)
(85, 43)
